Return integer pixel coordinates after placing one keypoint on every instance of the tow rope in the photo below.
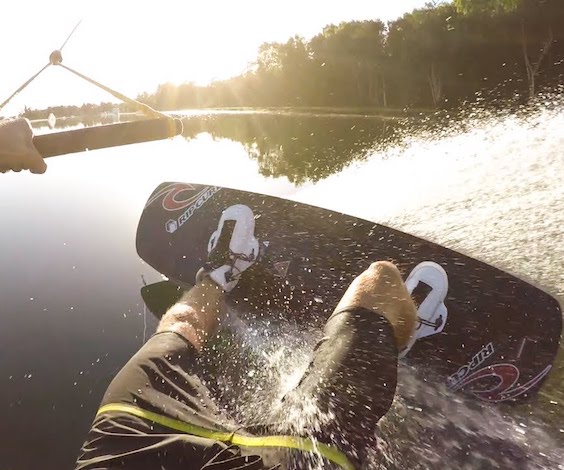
(56, 58)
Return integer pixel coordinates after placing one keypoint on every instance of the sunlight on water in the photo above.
(492, 189)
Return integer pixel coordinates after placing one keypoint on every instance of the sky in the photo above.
(132, 46)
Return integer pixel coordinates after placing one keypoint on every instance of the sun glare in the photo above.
(135, 46)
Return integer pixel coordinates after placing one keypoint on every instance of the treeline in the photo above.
(85, 111)
(433, 57)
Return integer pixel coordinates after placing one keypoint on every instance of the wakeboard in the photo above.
(480, 330)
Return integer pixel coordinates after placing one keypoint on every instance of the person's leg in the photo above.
(352, 376)
(154, 410)
(197, 314)
(161, 389)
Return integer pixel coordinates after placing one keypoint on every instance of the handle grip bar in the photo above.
(112, 135)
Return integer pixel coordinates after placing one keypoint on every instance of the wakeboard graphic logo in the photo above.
(506, 388)
(171, 226)
(203, 196)
(477, 360)
(177, 196)
(503, 376)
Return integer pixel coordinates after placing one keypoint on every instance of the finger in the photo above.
(40, 168)
(37, 164)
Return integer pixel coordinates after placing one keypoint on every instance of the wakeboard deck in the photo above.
(481, 330)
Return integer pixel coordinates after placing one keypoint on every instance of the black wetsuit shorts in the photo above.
(158, 414)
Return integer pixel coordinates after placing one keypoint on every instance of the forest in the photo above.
(436, 57)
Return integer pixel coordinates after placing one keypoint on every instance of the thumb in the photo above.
(38, 166)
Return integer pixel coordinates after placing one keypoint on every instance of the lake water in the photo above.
(71, 313)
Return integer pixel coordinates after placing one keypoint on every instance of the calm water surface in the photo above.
(71, 313)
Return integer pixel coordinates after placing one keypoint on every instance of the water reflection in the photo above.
(299, 147)
(74, 122)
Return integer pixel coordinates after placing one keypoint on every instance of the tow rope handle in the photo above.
(112, 135)
(159, 126)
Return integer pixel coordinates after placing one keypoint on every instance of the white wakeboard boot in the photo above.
(432, 313)
(232, 248)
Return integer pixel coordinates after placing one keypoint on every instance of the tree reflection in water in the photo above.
(300, 147)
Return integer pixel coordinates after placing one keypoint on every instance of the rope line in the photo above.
(147, 110)
(56, 59)
(70, 35)
(23, 86)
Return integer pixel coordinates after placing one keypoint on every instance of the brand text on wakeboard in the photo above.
(477, 360)
(204, 197)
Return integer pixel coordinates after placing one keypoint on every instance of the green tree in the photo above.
(490, 6)
(532, 22)
(422, 45)
(283, 71)
(350, 58)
